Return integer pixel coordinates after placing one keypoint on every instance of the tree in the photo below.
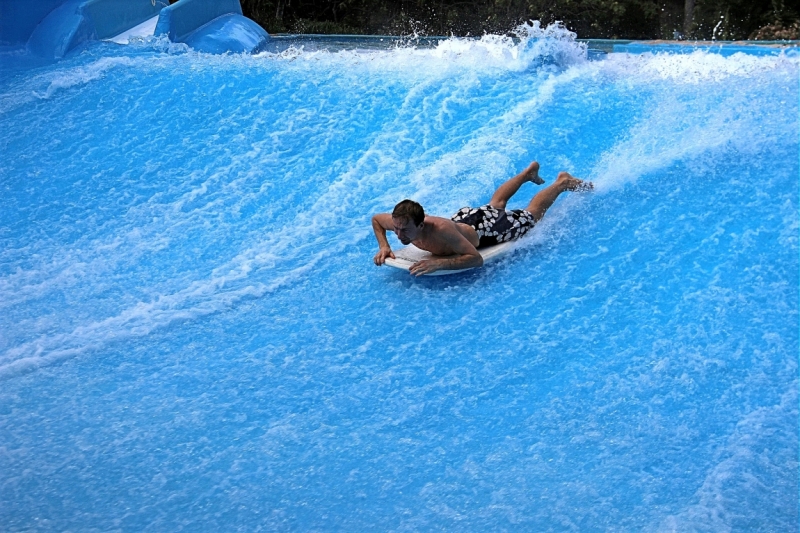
(624, 19)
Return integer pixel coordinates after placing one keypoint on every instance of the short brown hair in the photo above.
(409, 210)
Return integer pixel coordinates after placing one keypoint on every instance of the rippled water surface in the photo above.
(193, 335)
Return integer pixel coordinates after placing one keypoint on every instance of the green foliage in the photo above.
(738, 19)
(624, 19)
(327, 27)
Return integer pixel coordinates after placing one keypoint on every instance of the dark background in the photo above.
(590, 19)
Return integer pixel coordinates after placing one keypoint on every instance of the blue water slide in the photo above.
(52, 28)
(77, 21)
(112, 17)
(212, 26)
(19, 18)
(62, 30)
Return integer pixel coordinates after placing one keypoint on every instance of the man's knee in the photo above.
(497, 201)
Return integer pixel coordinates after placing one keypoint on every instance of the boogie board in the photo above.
(408, 255)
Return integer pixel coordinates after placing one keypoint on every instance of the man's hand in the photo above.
(426, 266)
(383, 253)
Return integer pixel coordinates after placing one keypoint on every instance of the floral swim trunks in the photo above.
(495, 225)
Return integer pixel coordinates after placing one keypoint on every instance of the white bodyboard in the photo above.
(408, 255)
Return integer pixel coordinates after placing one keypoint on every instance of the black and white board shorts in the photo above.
(495, 225)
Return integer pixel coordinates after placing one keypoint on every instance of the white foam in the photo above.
(274, 261)
(679, 128)
(696, 68)
(668, 132)
(83, 75)
(533, 47)
(65, 76)
(198, 299)
(737, 477)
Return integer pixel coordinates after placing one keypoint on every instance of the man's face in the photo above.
(405, 229)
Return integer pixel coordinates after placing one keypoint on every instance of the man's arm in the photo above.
(454, 262)
(380, 223)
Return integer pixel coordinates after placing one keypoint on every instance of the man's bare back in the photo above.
(442, 234)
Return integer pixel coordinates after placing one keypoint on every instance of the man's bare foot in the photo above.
(532, 173)
(571, 183)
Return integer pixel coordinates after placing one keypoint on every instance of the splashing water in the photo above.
(193, 335)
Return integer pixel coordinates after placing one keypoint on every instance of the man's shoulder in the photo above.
(444, 238)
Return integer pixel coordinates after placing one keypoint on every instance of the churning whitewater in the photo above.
(193, 334)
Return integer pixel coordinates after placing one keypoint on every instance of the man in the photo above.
(456, 241)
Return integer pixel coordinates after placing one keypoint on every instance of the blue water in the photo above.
(193, 336)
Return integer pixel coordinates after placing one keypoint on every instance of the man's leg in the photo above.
(509, 188)
(545, 198)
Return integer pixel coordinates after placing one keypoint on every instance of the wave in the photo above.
(529, 46)
(457, 118)
(733, 494)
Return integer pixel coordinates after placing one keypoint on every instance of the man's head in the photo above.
(408, 218)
